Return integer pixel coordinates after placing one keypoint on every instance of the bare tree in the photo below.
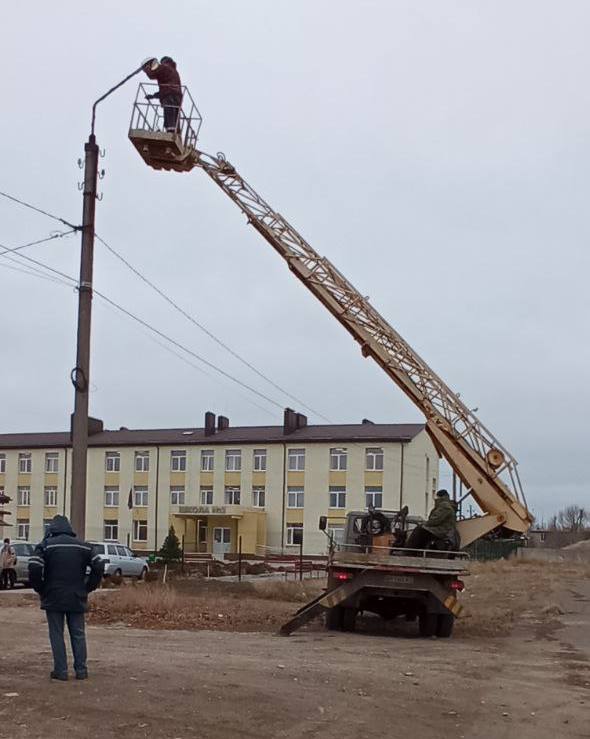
(573, 518)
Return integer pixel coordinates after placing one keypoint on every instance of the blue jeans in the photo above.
(75, 621)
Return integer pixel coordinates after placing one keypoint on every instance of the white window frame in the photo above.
(112, 493)
(229, 495)
(23, 528)
(296, 460)
(112, 462)
(337, 496)
(233, 460)
(295, 496)
(52, 463)
(259, 460)
(178, 460)
(374, 459)
(291, 529)
(2, 463)
(25, 463)
(207, 460)
(142, 461)
(177, 495)
(258, 492)
(50, 496)
(139, 527)
(338, 459)
(140, 496)
(206, 495)
(23, 492)
(111, 523)
(371, 491)
(337, 533)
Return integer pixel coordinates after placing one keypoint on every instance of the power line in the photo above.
(203, 328)
(45, 266)
(59, 235)
(39, 210)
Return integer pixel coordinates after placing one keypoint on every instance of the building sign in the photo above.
(206, 509)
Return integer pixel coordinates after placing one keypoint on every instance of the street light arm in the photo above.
(116, 87)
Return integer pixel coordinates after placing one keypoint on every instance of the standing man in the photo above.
(7, 565)
(169, 88)
(58, 572)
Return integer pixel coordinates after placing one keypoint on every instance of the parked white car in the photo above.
(23, 550)
(120, 560)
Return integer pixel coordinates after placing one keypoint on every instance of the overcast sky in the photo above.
(437, 152)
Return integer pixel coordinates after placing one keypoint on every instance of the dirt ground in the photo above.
(518, 667)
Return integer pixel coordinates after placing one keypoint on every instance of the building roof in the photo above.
(361, 432)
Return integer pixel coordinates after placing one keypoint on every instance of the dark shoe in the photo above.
(58, 676)
(81, 676)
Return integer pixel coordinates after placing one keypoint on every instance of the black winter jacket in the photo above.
(58, 569)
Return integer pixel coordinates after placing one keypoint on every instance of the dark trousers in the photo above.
(171, 105)
(75, 621)
(8, 577)
(419, 538)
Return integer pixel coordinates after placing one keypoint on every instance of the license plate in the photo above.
(401, 579)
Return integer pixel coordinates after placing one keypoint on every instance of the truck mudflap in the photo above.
(372, 580)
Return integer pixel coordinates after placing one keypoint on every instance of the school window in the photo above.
(294, 533)
(233, 460)
(232, 496)
(338, 459)
(140, 496)
(51, 462)
(23, 495)
(337, 497)
(207, 460)
(294, 497)
(25, 463)
(140, 530)
(178, 461)
(258, 497)
(50, 496)
(296, 460)
(111, 497)
(142, 461)
(207, 496)
(260, 460)
(111, 530)
(22, 528)
(374, 458)
(337, 533)
(2, 463)
(177, 495)
(112, 461)
(374, 497)
(46, 525)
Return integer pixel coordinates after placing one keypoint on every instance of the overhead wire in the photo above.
(35, 208)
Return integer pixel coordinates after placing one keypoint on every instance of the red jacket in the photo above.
(167, 77)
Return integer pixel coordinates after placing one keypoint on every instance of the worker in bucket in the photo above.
(169, 88)
(441, 525)
(63, 570)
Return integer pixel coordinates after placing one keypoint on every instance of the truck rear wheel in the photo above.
(349, 618)
(445, 624)
(427, 624)
(334, 618)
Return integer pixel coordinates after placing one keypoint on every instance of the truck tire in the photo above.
(445, 624)
(349, 618)
(427, 624)
(334, 618)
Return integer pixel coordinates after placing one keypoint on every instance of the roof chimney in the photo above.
(289, 421)
(222, 423)
(95, 426)
(209, 423)
(301, 421)
(367, 422)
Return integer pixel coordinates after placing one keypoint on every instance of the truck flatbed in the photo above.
(436, 565)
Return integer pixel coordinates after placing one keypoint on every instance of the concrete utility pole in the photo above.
(81, 372)
(80, 375)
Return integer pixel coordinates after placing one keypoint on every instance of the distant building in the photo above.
(267, 484)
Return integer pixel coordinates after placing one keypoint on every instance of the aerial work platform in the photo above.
(161, 149)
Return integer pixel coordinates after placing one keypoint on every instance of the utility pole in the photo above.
(81, 372)
(80, 375)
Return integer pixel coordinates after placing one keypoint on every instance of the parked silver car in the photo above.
(23, 550)
(120, 560)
